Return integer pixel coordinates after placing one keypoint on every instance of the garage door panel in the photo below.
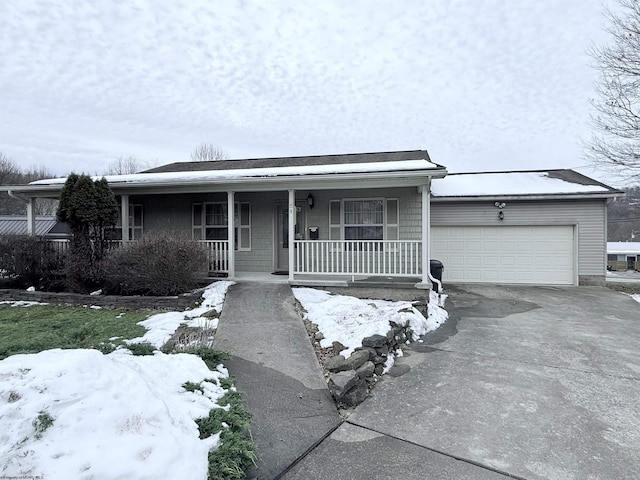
(506, 254)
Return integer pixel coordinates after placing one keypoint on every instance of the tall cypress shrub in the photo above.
(90, 210)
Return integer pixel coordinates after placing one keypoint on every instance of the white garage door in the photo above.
(505, 254)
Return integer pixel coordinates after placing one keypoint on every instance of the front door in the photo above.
(281, 239)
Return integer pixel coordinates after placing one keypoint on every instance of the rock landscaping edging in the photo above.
(179, 302)
(350, 379)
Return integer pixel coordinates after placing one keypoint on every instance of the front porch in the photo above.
(335, 262)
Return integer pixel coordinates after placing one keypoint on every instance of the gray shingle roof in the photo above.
(292, 161)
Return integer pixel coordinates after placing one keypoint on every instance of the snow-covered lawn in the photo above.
(81, 414)
(348, 319)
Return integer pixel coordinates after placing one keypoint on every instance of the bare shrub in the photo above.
(160, 264)
(27, 261)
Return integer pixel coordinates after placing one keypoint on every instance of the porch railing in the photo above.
(358, 257)
(217, 255)
(217, 252)
(327, 257)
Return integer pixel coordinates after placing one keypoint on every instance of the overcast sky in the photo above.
(482, 85)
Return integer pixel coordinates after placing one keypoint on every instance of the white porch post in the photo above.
(426, 233)
(124, 215)
(292, 231)
(231, 234)
(31, 216)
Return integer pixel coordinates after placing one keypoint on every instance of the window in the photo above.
(363, 219)
(210, 223)
(135, 221)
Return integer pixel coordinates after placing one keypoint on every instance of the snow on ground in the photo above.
(348, 319)
(113, 416)
(162, 326)
(82, 414)
(636, 297)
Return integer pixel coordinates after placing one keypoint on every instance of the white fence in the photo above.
(217, 255)
(217, 252)
(359, 257)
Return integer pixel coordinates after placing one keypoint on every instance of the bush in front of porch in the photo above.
(160, 264)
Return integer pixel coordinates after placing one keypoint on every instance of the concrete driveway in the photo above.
(523, 382)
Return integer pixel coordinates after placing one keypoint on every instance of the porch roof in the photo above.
(383, 169)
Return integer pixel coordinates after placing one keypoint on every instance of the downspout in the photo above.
(31, 218)
(427, 205)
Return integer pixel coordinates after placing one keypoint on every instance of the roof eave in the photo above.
(413, 177)
(545, 196)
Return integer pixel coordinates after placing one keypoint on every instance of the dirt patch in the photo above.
(629, 288)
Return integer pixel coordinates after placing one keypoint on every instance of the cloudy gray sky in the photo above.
(482, 85)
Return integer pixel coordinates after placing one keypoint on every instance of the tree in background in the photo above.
(623, 217)
(617, 120)
(11, 174)
(90, 210)
(9, 171)
(207, 152)
(127, 166)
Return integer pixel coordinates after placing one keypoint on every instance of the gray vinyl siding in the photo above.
(588, 215)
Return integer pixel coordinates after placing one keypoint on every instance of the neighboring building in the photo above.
(45, 226)
(623, 256)
(332, 219)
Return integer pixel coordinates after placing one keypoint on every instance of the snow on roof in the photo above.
(248, 173)
(516, 183)
(623, 247)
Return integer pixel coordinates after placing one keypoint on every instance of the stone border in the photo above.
(350, 379)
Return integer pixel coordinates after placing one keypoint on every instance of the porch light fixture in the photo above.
(311, 201)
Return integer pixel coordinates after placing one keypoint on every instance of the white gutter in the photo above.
(17, 197)
(539, 196)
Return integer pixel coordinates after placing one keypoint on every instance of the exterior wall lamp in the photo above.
(311, 201)
(500, 206)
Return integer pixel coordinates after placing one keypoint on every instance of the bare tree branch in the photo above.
(616, 143)
(11, 174)
(207, 152)
(126, 166)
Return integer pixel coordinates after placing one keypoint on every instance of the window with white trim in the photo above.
(363, 219)
(209, 222)
(136, 221)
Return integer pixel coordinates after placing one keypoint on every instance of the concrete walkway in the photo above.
(274, 364)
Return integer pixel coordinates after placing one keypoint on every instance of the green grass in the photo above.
(236, 453)
(43, 421)
(43, 327)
